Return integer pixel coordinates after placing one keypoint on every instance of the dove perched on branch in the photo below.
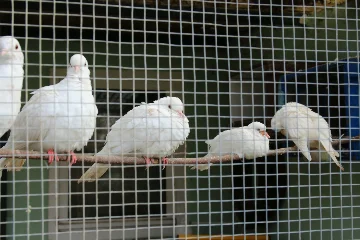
(153, 130)
(305, 127)
(11, 81)
(57, 119)
(247, 142)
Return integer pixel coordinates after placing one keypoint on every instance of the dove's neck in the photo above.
(11, 83)
(11, 77)
(17, 59)
(254, 131)
(76, 81)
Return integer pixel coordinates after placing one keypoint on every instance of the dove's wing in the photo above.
(302, 144)
(147, 129)
(297, 126)
(227, 142)
(32, 118)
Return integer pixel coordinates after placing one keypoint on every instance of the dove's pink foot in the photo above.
(148, 161)
(72, 158)
(52, 156)
(165, 161)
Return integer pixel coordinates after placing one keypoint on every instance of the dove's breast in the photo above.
(163, 141)
(73, 123)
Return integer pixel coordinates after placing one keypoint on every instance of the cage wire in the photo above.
(230, 64)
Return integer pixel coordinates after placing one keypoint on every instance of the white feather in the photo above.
(60, 117)
(304, 127)
(11, 78)
(246, 142)
(149, 130)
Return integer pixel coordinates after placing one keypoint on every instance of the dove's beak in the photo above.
(3, 52)
(77, 68)
(181, 114)
(264, 133)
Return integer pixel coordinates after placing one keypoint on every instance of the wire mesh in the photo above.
(230, 63)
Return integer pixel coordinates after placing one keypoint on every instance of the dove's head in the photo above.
(278, 119)
(293, 104)
(259, 127)
(10, 50)
(79, 66)
(276, 124)
(173, 104)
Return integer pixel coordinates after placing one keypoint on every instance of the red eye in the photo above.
(16, 47)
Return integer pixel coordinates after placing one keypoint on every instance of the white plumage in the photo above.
(248, 142)
(305, 127)
(11, 79)
(58, 118)
(152, 130)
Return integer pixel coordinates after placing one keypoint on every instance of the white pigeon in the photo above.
(304, 127)
(248, 142)
(153, 130)
(11, 77)
(57, 119)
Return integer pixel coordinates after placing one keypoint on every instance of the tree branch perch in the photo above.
(140, 161)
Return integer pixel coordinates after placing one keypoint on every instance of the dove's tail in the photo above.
(11, 164)
(318, 156)
(332, 152)
(202, 167)
(94, 172)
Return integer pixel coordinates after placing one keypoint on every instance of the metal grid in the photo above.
(230, 64)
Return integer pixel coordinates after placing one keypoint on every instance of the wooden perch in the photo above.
(140, 161)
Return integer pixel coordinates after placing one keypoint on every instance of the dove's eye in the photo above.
(85, 64)
(16, 46)
(169, 106)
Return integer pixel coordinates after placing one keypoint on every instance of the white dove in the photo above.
(11, 78)
(153, 130)
(58, 118)
(248, 142)
(304, 127)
